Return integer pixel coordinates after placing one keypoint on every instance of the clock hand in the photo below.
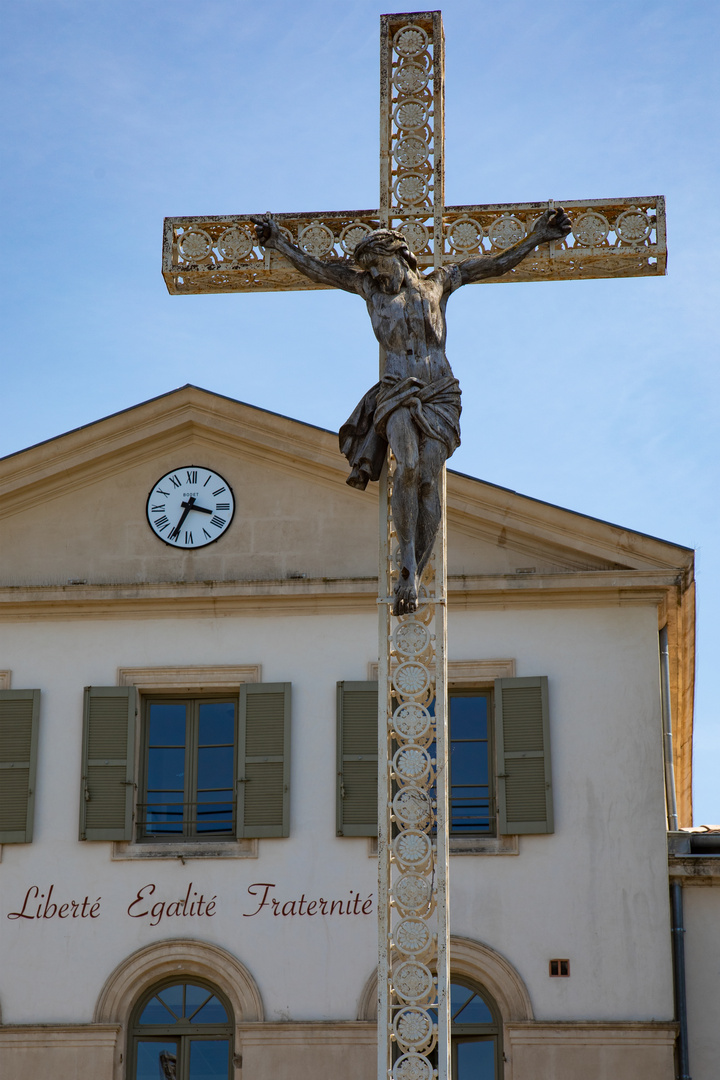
(175, 534)
(196, 507)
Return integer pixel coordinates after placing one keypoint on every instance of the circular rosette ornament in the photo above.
(411, 189)
(414, 1028)
(412, 848)
(413, 807)
(413, 937)
(416, 235)
(413, 981)
(412, 1067)
(506, 231)
(411, 638)
(633, 226)
(352, 234)
(235, 243)
(410, 41)
(316, 239)
(411, 151)
(411, 78)
(411, 679)
(413, 722)
(591, 229)
(411, 114)
(413, 893)
(195, 245)
(465, 235)
(412, 765)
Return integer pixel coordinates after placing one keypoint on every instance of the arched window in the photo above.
(181, 1031)
(476, 1033)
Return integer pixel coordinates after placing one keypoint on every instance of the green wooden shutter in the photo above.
(107, 793)
(19, 716)
(357, 758)
(263, 781)
(522, 741)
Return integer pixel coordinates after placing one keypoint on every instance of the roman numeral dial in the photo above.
(190, 507)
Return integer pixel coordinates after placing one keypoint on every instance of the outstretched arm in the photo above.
(337, 274)
(552, 225)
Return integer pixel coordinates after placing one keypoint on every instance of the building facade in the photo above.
(188, 648)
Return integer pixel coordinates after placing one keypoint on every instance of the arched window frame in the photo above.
(478, 1031)
(180, 1031)
(178, 960)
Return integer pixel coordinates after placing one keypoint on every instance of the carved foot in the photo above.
(406, 594)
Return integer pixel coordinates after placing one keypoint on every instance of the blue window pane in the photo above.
(172, 996)
(156, 1060)
(468, 763)
(459, 996)
(209, 1059)
(217, 723)
(215, 768)
(156, 1013)
(166, 770)
(212, 1013)
(476, 1060)
(167, 724)
(474, 1012)
(195, 996)
(468, 717)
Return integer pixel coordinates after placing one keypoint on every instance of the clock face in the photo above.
(190, 507)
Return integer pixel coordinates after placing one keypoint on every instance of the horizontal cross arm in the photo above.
(610, 238)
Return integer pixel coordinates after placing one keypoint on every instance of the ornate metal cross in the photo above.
(610, 238)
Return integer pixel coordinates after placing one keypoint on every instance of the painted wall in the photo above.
(595, 891)
(701, 906)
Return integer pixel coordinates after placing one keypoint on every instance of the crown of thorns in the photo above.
(384, 242)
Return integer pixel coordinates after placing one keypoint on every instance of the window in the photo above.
(206, 768)
(499, 759)
(181, 1031)
(189, 768)
(475, 1034)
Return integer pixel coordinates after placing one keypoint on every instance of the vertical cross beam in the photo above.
(413, 925)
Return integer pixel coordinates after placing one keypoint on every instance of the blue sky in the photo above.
(601, 396)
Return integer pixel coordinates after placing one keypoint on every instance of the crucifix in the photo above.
(405, 259)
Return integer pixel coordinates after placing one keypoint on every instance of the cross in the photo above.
(609, 238)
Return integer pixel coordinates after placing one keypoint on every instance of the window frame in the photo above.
(180, 1032)
(467, 692)
(192, 700)
(477, 1032)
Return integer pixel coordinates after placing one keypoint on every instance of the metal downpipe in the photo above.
(670, 796)
(678, 948)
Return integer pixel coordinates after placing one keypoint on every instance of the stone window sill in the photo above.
(188, 849)
(470, 845)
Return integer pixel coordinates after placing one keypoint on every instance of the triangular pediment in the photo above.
(73, 508)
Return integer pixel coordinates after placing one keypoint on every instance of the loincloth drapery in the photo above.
(434, 408)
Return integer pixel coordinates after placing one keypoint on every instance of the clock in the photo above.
(190, 507)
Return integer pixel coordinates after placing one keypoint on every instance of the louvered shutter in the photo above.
(357, 758)
(19, 716)
(107, 794)
(263, 781)
(522, 741)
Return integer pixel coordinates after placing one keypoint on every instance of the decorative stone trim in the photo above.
(477, 962)
(191, 678)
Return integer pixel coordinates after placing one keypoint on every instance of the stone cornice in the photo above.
(174, 599)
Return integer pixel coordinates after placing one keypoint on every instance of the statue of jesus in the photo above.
(416, 405)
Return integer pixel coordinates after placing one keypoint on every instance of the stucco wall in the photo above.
(595, 891)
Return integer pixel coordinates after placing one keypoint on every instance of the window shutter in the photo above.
(522, 740)
(19, 716)
(108, 763)
(357, 758)
(263, 780)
